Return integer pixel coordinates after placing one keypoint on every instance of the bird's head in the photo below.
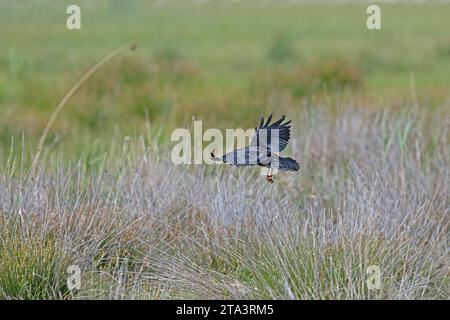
(213, 157)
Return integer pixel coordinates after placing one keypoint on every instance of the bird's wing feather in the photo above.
(272, 137)
(241, 157)
(288, 164)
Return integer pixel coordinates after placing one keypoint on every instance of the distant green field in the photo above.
(221, 58)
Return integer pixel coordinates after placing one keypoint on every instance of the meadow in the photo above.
(371, 115)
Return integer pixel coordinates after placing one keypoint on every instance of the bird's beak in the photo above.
(213, 157)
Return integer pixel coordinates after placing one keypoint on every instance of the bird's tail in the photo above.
(288, 164)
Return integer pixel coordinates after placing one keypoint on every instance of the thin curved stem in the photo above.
(69, 94)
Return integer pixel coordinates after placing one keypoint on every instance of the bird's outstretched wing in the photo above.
(272, 136)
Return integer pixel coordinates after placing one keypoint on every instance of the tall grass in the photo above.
(373, 189)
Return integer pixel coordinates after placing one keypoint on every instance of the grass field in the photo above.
(209, 61)
(371, 115)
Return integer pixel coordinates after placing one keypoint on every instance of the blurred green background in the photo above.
(224, 62)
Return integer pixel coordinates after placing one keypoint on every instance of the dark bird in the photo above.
(269, 139)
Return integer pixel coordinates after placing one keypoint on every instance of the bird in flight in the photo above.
(269, 139)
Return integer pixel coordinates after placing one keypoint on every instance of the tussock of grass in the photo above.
(319, 76)
(372, 190)
(32, 265)
(281, 49)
